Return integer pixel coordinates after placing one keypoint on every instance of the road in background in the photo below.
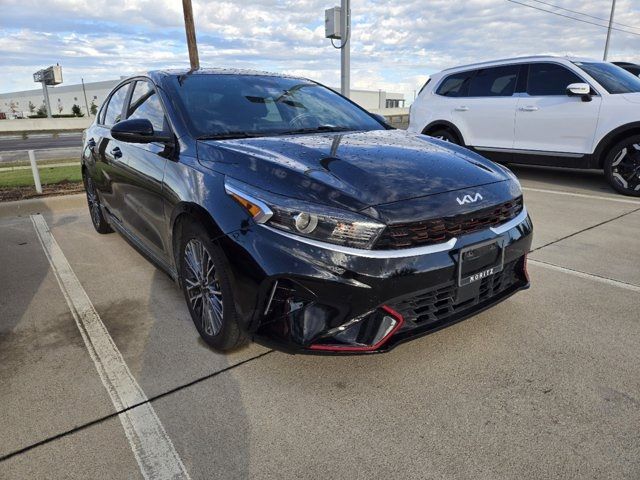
(40, 141)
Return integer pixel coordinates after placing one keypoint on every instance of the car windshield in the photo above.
(612, 78)
(235, 106)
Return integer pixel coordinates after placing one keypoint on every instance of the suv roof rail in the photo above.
(500, 60)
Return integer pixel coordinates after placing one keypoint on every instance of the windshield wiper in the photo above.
(321, 128)
(230, 135)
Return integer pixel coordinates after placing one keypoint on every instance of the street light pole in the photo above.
(191, 34)
(606, 45)
(345, 53)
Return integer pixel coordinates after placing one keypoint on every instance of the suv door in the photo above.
(548, 120)
(485, 113)
(107, 152)
(142, 191)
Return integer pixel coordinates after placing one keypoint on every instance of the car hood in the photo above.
(356, 170)
(632, 97)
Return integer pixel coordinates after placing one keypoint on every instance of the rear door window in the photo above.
(113, 112)
(494, 82)
(550, 79)
(456, 85)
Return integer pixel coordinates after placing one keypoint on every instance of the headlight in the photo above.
(305, 219)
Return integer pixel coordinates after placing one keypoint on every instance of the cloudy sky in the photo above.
(395, 43)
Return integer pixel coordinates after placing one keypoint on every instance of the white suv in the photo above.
(555, 111)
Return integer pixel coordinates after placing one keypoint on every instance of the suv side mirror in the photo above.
(580, 90)
(137, 130)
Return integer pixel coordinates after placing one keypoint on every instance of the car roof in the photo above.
(177, 72)
(532, 58)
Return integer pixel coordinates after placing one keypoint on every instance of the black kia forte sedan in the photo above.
(290, 216)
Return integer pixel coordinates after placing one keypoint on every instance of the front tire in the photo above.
(622, 166)
(95, 209)
(207, 289)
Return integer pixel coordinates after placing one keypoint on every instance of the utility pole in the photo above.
(606, 45)
(337, 26)
(85, 98)
(345, 49)
(191, 34)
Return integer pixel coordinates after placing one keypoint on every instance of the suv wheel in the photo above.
(95, 210)
(445, 136)
(622, 166)
(207, 289)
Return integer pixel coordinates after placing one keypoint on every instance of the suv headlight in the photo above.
(306, 219)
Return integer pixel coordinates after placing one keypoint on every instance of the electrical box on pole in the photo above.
(332, 23)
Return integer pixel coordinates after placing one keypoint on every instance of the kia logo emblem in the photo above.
(469, 199)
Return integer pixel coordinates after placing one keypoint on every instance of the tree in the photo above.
(94, 108)
(13, 107)
(32, 107)
(60, 106)
(75, 109)
(42, 110)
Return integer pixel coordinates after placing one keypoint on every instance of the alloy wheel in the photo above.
(94, 203)
(203, 287)
(625, 168)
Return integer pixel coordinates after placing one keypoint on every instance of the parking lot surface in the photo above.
(544, 385)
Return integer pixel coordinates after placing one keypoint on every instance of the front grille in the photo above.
(438, 230)
(439, 304)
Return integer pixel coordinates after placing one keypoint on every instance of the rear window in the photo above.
(494, 82)
(456, 85)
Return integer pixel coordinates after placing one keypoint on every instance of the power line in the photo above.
(574, 18)
(584, 14)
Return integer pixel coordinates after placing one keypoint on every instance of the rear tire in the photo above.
(445, 135)
(622, 166)
(95, 208)
(205, 282)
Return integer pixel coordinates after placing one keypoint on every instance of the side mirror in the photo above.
(580, 90)
(138, 130)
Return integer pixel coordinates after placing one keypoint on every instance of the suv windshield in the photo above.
(230, 106)
(612, 78)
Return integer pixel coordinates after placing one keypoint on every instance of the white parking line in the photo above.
(589, 276)
(582, 195)
(152, 447)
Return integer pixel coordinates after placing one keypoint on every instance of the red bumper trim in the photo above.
(346, 348)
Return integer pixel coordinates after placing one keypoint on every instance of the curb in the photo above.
(21, 208)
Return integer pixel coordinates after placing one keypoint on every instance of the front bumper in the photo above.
(304, 297)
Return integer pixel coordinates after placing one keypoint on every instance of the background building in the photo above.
(64, 97)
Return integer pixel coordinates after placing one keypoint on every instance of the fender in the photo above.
(610, 139)
(446, 124)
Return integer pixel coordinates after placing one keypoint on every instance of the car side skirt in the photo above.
(534, 157)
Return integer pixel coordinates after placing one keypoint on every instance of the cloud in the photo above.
(396, 44)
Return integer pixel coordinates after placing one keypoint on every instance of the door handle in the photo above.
(529, 108)
(116, 152)
(462, 108)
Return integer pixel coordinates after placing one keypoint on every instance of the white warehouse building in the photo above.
(64, 97)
